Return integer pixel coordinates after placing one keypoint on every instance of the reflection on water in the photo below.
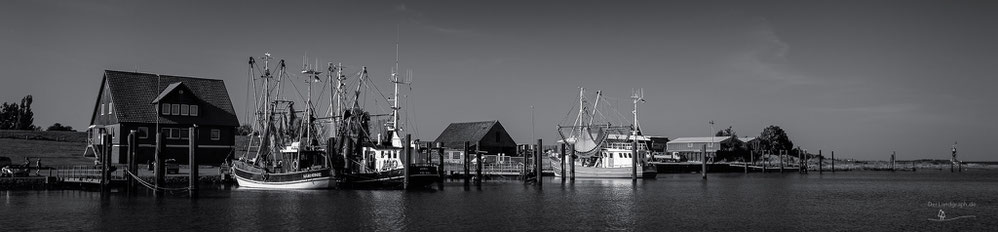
(736, 202)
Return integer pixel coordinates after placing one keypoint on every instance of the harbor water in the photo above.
(850, 201)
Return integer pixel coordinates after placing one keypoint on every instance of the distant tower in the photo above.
(954, 153)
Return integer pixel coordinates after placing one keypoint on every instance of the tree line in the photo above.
(14, 116)
(772, 140)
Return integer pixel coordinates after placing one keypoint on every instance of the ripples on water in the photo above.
(864, 201)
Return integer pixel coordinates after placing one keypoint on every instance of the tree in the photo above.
(59, 127)
(17, 117)
(725, 132)
(8, 116)
(773, 138)
(26, 118)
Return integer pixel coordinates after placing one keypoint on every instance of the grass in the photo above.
(51, 153)
(61, 136)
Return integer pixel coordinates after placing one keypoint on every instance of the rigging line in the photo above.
(412, 106)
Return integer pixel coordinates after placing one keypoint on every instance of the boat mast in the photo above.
(636, 96)
(592, 117)
(393, 127)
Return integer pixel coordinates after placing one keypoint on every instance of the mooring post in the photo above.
(467, 155)
(192, 147)
(478, 165)
(105, 174)
(703, 165)
(406, 160)
(892, 160)
(833, 161)
(765, 160)
(159, 170)
(561, 157)
(571, 165)
(821, 160)
(132, 163)
(634, 157)
(781, 161)
(440, 169)
(537, 161)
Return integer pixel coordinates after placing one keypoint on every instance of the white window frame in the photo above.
(216, 134)
(110, 107)
(102, 109)
(194, 110)
(176, 109)
(166, 108)
(185, 109)
(184, 133)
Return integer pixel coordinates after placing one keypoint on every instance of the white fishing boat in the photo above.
(601, 148)
(284, 150)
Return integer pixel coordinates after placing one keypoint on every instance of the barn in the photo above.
(490, 135)
(148, 103)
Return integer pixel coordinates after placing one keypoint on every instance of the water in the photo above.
(856, 201)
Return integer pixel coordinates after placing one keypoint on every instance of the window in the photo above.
(176, 109)
(143, 132)
(185, 133)
(455, 155)
(194, 110)
(710, 144)
(166, 109)
(110, 106)
(185, 110)
(216, 134)
(102, 109)
(689, 145)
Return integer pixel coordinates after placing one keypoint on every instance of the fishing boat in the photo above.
(284, 150)
(374, 155)
(602, 148)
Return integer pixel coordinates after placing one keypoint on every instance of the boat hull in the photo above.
(597, 172)
(251, 177)
(419, 177)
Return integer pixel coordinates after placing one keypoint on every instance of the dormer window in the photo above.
(110, 105)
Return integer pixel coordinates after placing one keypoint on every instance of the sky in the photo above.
(861, 78)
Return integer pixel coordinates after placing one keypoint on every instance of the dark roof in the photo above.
(457, 133)
(169, 89)
(133, 93)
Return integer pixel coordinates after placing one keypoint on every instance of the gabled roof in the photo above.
(457, 133)
(746, 139)
(699, 139)
(169, 89)
(133, 94)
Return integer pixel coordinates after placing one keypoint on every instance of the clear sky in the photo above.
(863, 78)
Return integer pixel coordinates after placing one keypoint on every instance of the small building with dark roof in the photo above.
(490, 135)
(148, 103)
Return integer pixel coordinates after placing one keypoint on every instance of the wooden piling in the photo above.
(562, 156)
(192, 149)
(467, 155)
(133, 166)
(440, 168)
(765, 162)
(407, 160)
(571, 166)
(892, 160)
(634, 157)
(821, 160)
(781, 161)
(159, 169)
(703, 163)
(478, 165)
(537, 162)
(833, 161)
(105, 179)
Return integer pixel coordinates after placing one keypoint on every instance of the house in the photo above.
(692, 148)
(148, 103)
(489, 135)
